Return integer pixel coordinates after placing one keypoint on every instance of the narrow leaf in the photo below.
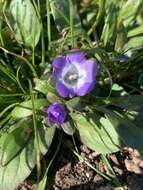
(131, 102)
(60, 12)
(25, 108)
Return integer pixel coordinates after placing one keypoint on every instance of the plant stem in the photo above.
(11, 95)
(33, 56)
(7, 108)
(98, 18)
(50, 163)
(37, 8)
(37, 146)
(23, 59)
(71, 23)
(48, 24)
(38, 2)
(18, 81)
(92, 167)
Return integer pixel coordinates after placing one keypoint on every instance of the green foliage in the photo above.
(98, 135)
(25, 108)
(32, 34)
(61, 14)
(15, 141)
(127, 131)
(25, 22)
(69, 126)
(19, 168)
(121, 26)
(23, 161)
(132, 102)
(107, 135)
(43, 86)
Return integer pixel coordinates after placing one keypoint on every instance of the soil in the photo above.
(70, 173)
(73, 174)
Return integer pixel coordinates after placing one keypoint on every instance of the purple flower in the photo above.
(75, 75)
(57, 113)
(123, 58)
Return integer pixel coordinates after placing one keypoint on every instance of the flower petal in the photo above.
(57, 113)
(86, 88)
(91, 69)
(76, 56)
(52, 119)
(58, 64)
(63, 90)
(61, 119)
(123, 58)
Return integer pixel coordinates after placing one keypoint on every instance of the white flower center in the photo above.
(73, 75)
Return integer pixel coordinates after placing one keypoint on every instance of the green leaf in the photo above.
(121, 37)
(25, 108)
(118, 91)
(131, 102)
(136, 117)
(46, 88)
(98, 134)
(43, 86)
(69, 126)
(1, 8)
(15, 141)
(134, 43)
(51, 97)
(135, 31)
(140, 80)
(46, 137)
(25, 22)
(110, 27)
(42, 183)
(18, 169)
(74, 103)
(60, 12)
(133, 8)
(111, 172)
(128, 132)
(106, 135)
(12, 174)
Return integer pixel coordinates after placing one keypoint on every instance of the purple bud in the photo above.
(57, 113)
(123, 58)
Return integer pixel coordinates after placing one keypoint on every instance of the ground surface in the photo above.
(71, 174)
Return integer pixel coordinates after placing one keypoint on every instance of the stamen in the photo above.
(73, 77)
(56, 114)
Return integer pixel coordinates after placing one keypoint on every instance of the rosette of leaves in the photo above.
(105, 123)
(105, 126)
(108, 124)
